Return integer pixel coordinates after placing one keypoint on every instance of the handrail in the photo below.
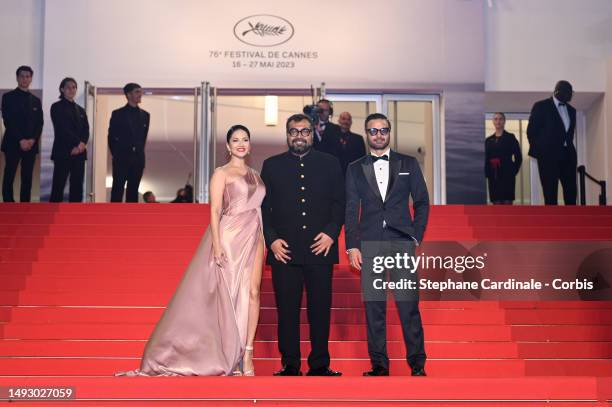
(602, 185)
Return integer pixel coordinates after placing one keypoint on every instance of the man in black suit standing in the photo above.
(378, 186)
(127, 137)
(326, 134)
(550, 132)
(352, 145)
(302, 213)
(23, 120)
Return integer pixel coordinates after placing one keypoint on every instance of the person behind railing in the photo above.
(149, 197)
(502, 162)
(189, 193)
(552, 123)
(181, 196)
(70, 135)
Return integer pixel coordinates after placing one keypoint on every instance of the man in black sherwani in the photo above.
(303, 212)
(127, 137)
(23, 120)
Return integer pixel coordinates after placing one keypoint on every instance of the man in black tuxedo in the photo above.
(378, 186)
(302, 213)
(23, 121)
(351, 145)
(550, 132)
(326, 134)
(127, 137)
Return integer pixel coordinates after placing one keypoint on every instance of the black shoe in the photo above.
(377, 371)
(323, 371)
(288, 371)
(419, 372)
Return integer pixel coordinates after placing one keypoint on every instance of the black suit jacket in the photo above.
(126, 136)
(363, 196)
(351, 147)
(505, 148)
(330, 140)
(70, 128)
(23, 119)
(546, 132)
(297, 215)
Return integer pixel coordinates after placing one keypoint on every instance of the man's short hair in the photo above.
(146, 195)
(376, 116)
(24, 68)
(130, 87)
(298, 117)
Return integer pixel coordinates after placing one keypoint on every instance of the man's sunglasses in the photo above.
(373, 131)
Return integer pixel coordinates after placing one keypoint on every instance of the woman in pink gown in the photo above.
(208, 328)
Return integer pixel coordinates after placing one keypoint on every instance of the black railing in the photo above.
(582, 180)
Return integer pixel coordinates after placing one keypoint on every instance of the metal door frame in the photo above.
(89, 178)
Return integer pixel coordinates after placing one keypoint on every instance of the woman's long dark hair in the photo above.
(235, 128)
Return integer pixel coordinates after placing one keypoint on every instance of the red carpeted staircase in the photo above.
(81, 287)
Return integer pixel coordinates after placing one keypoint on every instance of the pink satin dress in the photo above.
(203, 330)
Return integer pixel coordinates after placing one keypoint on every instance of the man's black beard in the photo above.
(300, 151)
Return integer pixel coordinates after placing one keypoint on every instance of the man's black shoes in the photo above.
(323, 371)
(377, 371)
(419, 371)
(288, 371)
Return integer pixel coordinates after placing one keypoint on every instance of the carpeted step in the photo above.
(457, 368)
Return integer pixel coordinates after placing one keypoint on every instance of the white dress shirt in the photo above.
(318, 135)
(381, 171)
(562, 109)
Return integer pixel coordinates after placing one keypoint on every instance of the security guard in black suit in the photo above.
(70, 136)
(551, 128)
(23, 120)
(127, 136)
(303, 212)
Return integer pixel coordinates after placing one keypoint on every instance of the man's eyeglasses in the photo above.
(372, 131)
(305, 132)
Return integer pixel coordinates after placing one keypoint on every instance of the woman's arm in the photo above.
(217, 187)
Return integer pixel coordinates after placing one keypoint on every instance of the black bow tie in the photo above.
(561, 104)
(382, 157)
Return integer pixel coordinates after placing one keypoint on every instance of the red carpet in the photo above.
(82, 286)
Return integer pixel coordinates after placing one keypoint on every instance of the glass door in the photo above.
(359, 107)
(172, 145)
(527, 190)
(265, 121)
(415, 122)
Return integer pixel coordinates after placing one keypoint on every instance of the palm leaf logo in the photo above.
(263, 30)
